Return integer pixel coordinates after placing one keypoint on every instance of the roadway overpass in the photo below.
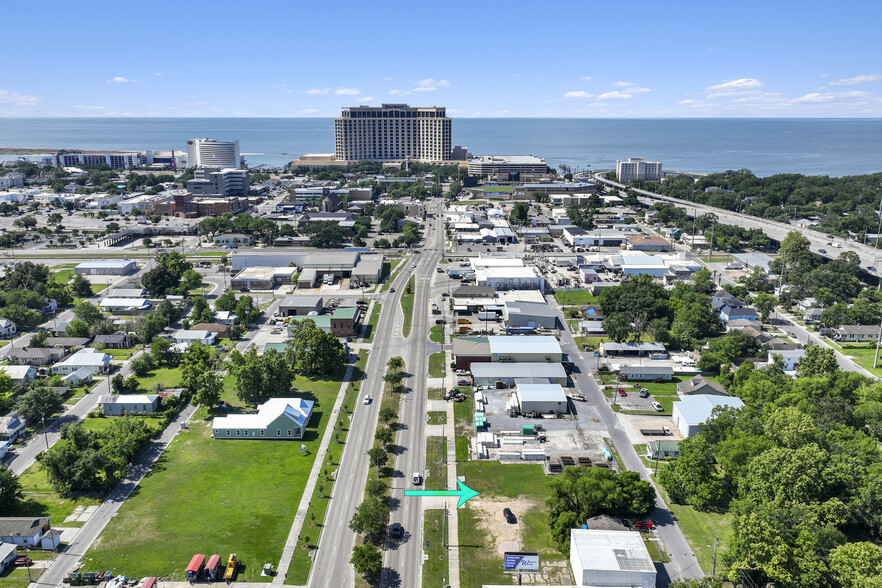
(775, 230)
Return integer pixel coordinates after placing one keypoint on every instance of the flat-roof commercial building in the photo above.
(545, 398)
(488, 374)
(554, 189)
(610, 559)
(217, 181)
(342, 323)
(531, 315)
(263, 278)
(525, 348)
(106, 268)
(692, 412)
(213, 153)
(508, 167)
(637, 168)
(298, 305)
(392, 131)
(510, 278)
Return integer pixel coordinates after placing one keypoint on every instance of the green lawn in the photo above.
(436, 334)
(465, 427)
(407, 305)
(437, 417)
(122, 354)
(101, 424)
(575, 297)
(371, 328)
(436, 566)
(861, 355)
(436, 393)
(41, 499)
(494, 188)
(63, 276)
(436, 461)
(99, 287)
(479, 561)
(205, 496)
(436, 365)
(168, 377)
(396, 265)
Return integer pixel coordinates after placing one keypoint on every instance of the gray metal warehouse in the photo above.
(487, 374)
(544, 398)
(106, 268)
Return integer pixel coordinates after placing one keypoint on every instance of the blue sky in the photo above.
(562, 59)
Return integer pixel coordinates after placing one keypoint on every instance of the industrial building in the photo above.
(544, 398)
(691, 412)
(610, 559)
(530, 315)
(492, 374)
(510, 278)
(106, 268)
(263, 278)
(393, 131)
(298, 305)
(342, 264)
(528, 348)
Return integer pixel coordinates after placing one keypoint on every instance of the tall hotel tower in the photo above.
(392, 131)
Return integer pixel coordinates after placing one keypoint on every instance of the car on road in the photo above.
(822, 251)
(622, 392)
(871, 268)
(509, 516)
(417, 479)
(413, 266)
(658, 407)
(397, 531)
(644, 525)
(367, 399)
(392, 290)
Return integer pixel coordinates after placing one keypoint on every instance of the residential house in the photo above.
(7, 328)
(277, 418)
(778, 344)
(632, 349)
(225, 317)
(663, 450)
(856, 333)
(33, 532)
(129, 404)
(115, 341)
(188, 336)
(757, 333)
(791, 358)
(813, 314)
(692, 412)
(719, 302)
(700, 385)
(11, 426)
(728, 313)
(739, 324)
(8, 555)
(78, 378)
(219, 329)
(95, 361)
(19, 374)
(66, 342)
(35, 355)
(646, 373)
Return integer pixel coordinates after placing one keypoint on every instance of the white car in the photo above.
(658, 407)
(367, 399)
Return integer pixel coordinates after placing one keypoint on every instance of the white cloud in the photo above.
(638, 90)
(824, 75)
(318, 91)
(431, 82)
(425, 89)
(119, 80)
(88, 107)
(862, 79)
(736, 85)
(689, 101)
(347, 91)
(10, 97)
(578, 95)
(615, 95)
(622, 84)
(586, 78)
(398, 93)
(367, 98)
(309, 111)
(387, 79)
(816, 97)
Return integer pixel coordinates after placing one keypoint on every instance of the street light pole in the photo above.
(45, 433)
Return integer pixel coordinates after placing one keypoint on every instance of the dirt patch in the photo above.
(505, 537)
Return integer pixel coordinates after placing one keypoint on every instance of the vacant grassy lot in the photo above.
(371, 328)
(436, 566)
(436, 365)
(395, 267)
(407, 305)
(436, 417)
(863, 356)
(436, 461)
(575, 297)
(494, 188)
(479, 561)
(205, 496)
(464, 422)
(122, 354)
(700, 528)
(168, 377)
(436, 334)
(40, 498)
(101, 424)
(63, 276)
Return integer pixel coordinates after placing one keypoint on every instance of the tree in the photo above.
(37, 403)
(384, 435)
(693, 478)
(261, 377)
(326, 236)
(88, 313)
(765, 304)
(25, 222)
(617, 326)
(857, 565)
(141, 365)
(80, 286)
(378, 456)
(818, 361)
(709, 362)
(387, 414)
(394, 379)
(312, 350)
(201, 312)
(246, 313)
(371, 517)
(519, 213)
(208, 389)
(367, 561)
(77, 328)
(395, 363)
(226, 301)
(10, 492)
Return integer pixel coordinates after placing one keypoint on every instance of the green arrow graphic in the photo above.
(464, 493)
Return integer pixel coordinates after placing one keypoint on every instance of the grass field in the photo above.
(407, 305)
(436, 365)
(63, 276)
(206, 496)
(861, 355)
(575, 297)
(464, 423)
(436, 417)
(168, 377)
(436, 566)
(436, 334)
(479, 561)
(371, 328)
(493, 188)
(436, 393)
(122, 354)
(41, 499)
(436, 461)
(395, 267)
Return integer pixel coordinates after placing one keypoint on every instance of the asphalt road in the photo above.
(683, 562)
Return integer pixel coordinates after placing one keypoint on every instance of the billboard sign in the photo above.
(519, 561)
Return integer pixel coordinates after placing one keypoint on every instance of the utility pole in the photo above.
(694, 216)
(716, 543)
(879, 230)
(710, 249)
(878, 341)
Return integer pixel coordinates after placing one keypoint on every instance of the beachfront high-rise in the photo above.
(213, 153)
(637, 168)
(392, 131)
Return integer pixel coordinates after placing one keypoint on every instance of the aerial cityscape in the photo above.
(456, 313)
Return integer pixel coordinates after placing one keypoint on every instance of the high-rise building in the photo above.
(219, 182)
(213, 153)
(118, 160)
(636, 168)
(392, 131)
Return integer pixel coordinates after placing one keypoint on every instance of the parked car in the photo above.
(439, 321)
(23, 561)
(658, 407)
(822, 251)
(622, 392)
(509, 516)
(397, 531)
(644, 393)
(871, 268)
(644, 525)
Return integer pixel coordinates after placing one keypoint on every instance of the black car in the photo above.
(822, 251)
(439, 321)
(871, 268)
(509, 516)
(397, 531)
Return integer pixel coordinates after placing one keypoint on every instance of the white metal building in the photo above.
(527, 348)
(488, 373)
(529, 314)
(106, 268)
(691, 412)
(610, 558)
(545, 398)
(510, 278)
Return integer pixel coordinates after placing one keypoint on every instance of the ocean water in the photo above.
(834, 147)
